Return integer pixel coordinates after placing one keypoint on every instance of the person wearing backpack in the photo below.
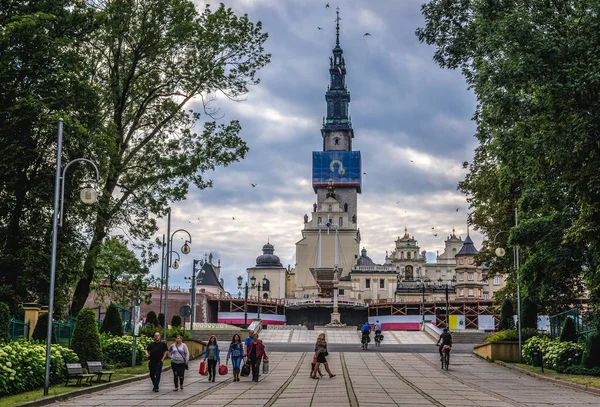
(236, 352)
(180, 357)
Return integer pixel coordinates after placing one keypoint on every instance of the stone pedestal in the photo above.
(335, 316)
(32, 312)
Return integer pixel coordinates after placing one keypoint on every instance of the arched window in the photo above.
(330, 208)
(265, 296)
(266, 285)
(336, 141)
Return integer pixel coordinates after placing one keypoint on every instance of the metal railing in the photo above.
(63, 332)
(557, 321)
(18, 329)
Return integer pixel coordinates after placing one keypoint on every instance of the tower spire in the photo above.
(337, 27)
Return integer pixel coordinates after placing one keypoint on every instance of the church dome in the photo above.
(364, 260)
(268, 259)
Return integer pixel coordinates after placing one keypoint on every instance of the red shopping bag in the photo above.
(202, 369)
(223, 370)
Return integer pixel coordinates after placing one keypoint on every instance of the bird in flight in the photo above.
(232, 218)
(432, 228)
(253, 185)
(411, 161)
(327, 5)
(457, 209)
(364, 173)
(319, 28)
(367, 35)
(435, 234)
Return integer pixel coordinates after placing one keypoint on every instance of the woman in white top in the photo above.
(179, 359)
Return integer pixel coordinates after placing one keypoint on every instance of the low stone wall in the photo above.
(196, 348)
(504, 351)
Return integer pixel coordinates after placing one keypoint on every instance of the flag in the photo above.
(340, 69)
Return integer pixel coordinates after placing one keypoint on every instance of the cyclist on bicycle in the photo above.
(366, 331)
(377, 329)
(446, 339)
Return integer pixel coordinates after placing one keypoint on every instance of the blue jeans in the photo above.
(236, 361)
(155, 371)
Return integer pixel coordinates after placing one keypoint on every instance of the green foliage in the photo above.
(86, 340)
(506, 316)
(117, 349)
(556, 355)
(112, 324)
(40, 333)
(23, 363)
(512, 335)
(161, 319)
(591, 356)
(173, 332)
(581, 370)
(172, 54)
(529, 313)
(4, 322)
(534, 69)
(176, 321)
(152, 319)
(568, 332)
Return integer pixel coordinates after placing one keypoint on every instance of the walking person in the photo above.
(236, 352)
(180, 357)
(156, 352)
(321, 351)
(249, 339)
(256, 353)
(212, 354)
(313, 364)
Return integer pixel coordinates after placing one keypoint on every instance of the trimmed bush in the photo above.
(112, 324)
(173, 332)
(581, 370)
(512, 335)
(556, 355)
(117, 349)
(507, 313)
(568, 332)
(161, 319)
(176, 321)
(4, 322)
(86, 340)
(591, 356)
(40, 333)
(22, 364)
(152, 319)
(529, 314)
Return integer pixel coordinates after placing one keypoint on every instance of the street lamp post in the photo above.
(500, 252)
(194, 280)
(185, 249)
(423, 284)
(446, 290)
(240, 279)
(258, 287)
(88, 195)
(162, 273)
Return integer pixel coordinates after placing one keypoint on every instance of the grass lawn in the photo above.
(120, 373)
(590, 381)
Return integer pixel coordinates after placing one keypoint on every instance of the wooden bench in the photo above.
(75, 371)
(96, 368)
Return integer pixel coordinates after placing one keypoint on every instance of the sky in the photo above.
(412, 124)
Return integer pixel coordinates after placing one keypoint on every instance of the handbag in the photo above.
(186, 363)
(202, 369)
(223, 370)
(245, 370)
(266, 367)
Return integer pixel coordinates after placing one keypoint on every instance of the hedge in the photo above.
(4, 322)
(86, 340)
(40, 332)
(117, 349)
(507, 320)
(511, 335)
(582, 370)
(176, 321)
(591, 356)
(23, 365)
(556, 355)
(112, 323)
(568, 332)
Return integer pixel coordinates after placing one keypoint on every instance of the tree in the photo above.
(151, 61)
(529, 315)
(120, 276)
(533, 66)
(591, 355)
(113, 324)
(152, 319)
(507, 320)
(4, 322)
(40, 332)
(42, 79)
(86, 340)
(568, 332)
(176, 321)
(161, 319)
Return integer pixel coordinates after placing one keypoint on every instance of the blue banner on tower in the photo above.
(344, 167)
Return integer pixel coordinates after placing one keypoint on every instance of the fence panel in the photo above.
(18, 329)
(63, 333)
(557, 321)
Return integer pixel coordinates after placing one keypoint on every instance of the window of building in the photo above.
(470, 261)
(341, 291)
(341, 221)
(401, 255)
(462, 277)
(486, 296)
(381, 283)
(265, 296)
(337, 141)
(461, 261)
(330, 208)
(368, 283)
(408, 255)
(496, 280)
(470, 277)
(485, 282)
(471, 292)
(461, 292)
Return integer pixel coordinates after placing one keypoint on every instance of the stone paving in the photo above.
(343, 336)
(364, 378)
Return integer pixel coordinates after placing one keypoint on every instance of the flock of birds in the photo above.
(320, 28)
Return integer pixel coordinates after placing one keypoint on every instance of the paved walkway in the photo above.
(363, 378)
(343, 336)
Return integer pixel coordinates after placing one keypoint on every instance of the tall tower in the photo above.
(330, 239)
(337, 161)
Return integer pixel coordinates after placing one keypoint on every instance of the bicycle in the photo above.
(377, 339)
(365, 342)
(445, 356)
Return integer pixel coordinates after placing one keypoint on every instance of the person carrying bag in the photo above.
(180, 357)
